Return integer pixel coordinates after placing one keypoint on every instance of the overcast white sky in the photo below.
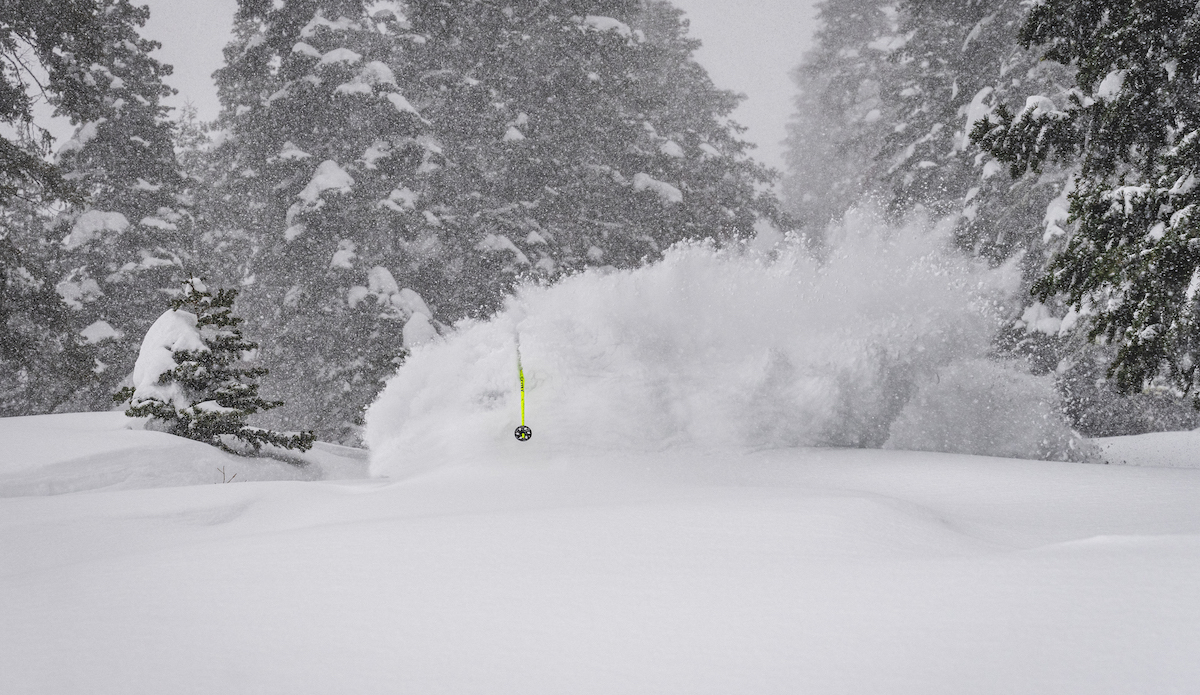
(749, 47)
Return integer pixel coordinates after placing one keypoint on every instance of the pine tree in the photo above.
(126, 245)
(961, 61)
(204, 391)
(315, 180)
(1131, 125)
(838, 128)
(58, 40)
(578, 134)
(889, 96)
(43, 361)
(86, 59)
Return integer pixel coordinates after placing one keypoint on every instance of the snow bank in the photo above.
(1158, 449)
(724, 349)
(74, 452)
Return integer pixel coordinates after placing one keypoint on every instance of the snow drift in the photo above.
(881, 344)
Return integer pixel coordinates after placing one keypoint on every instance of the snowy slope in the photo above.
(813, 571)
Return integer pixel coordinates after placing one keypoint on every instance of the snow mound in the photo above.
(725, 349)
(75, 452)
(1158, 449)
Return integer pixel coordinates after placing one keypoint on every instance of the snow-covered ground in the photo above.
(682, 521)
(55, 454)
(777, 571)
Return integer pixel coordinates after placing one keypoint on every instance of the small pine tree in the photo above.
(208, 392)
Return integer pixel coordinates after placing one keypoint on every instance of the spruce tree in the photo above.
(125, 246)
(43, 360)
(1131, 265)
(888, 98)
(79, 220)
(59, 41)
(204, 391)
(579, 134)
(839, 125)
(315, 186)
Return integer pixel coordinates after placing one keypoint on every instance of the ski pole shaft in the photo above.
(523, 433)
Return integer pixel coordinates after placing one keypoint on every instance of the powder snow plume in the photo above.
(881, 344)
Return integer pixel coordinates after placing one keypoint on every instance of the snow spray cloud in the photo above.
(883, 344)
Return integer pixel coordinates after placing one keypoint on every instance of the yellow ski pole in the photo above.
(522, 433)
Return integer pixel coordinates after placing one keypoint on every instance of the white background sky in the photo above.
(749, 47)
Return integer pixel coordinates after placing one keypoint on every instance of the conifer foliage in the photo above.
(42, 359)
(1132, 123)
(124, 248)
(839, 127)
(122, 236)
(888, 99)
(191, 376)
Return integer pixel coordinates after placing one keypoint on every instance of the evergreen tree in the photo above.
(43, 361)
(888, 98)
(125, 246)
(838, 128)
(1132, 127)
(86, 59)
(962, 60)
(57, 40)
(577, 134)
(191, 377)
(315, 182)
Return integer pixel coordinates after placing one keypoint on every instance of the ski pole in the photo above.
(522, 433)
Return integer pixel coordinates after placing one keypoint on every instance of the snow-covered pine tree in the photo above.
(87, 61)
(948, 65)
(838, 128)
(960, 60)
(316, 179)
(43, 47)
(1132, 125)
(123, 249)
(577, 134)
(43, 360)
(888, 98)
(192, 380)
